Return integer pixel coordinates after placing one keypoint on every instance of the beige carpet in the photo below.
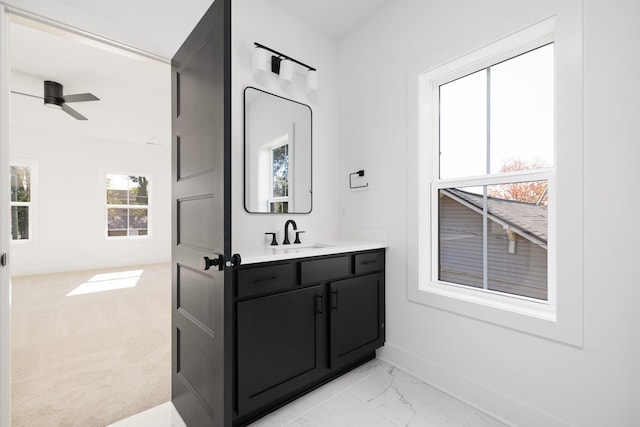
(90, 348)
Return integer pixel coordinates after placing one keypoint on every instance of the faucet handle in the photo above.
(274, 242)
(298, 237)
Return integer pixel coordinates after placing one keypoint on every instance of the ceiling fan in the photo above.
(54, 98)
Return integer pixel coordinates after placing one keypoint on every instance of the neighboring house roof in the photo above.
(527, 219)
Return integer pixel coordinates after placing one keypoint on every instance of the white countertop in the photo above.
(253, 255)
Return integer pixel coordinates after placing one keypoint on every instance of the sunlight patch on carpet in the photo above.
(108, 282)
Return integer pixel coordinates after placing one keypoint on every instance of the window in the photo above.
(491, 183)
(491, 213)
(127, 205)
(21, 202)
(279, 200)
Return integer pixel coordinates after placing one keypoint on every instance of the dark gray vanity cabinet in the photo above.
(302, 322)
(280, 345)
(355, 324)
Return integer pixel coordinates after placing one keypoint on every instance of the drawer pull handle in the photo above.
(334, 300)
(373, 261)
(319, 304)
(270, 279)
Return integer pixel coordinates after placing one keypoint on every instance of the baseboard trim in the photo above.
(486, 399)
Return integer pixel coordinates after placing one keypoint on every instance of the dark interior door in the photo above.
(201, 160)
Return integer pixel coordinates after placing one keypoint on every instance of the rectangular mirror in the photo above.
(277, 154)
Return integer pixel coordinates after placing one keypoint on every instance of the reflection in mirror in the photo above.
(277, 154)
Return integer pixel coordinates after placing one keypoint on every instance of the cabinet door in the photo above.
(357, 318)
(280, 345)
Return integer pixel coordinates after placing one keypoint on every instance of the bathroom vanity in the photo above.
(304, 313)
(267, 324)
(302, 319)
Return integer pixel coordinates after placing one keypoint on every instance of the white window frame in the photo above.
(32, 205)
(109, 206)
(559, 318)
(272, 198)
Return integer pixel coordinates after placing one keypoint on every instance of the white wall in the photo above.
(526, 380)
(263, 22)
(70, 217)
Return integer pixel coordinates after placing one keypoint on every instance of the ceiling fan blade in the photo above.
(73, 112)
(81, 97)
(26, 94)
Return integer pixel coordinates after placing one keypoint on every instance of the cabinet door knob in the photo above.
(334, 300)
(319, 304)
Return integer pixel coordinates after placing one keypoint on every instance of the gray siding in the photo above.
(521, 273)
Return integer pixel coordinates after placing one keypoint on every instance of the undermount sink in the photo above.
(304, 245)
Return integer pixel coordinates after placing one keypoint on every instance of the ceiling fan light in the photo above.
(52, 105)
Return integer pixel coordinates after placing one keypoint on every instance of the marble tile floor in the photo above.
(374, 395)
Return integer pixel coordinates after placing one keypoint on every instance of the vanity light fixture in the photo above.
(312, 80)
(282, 65)
(259, 59)
(286, 70)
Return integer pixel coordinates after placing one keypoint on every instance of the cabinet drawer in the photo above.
(369, 263)
(260, 280)
(321, 270)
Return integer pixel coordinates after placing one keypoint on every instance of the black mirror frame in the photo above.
(244, 139)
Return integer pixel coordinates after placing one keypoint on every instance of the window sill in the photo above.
(24, 243)
(114, 238)
(513, 304)
(524, 315)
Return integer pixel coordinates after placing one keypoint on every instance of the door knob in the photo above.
(234, 261)
(208, 262)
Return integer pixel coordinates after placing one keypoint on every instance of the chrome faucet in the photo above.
(286, 231)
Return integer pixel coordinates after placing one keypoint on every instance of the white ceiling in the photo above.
(134, 92)
(332, 17)
(156, 26)
(160, 27)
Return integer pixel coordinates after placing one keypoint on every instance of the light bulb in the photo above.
(312, 80)
(259, 59)
(286, 71)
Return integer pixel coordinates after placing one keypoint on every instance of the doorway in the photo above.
(85, 295)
